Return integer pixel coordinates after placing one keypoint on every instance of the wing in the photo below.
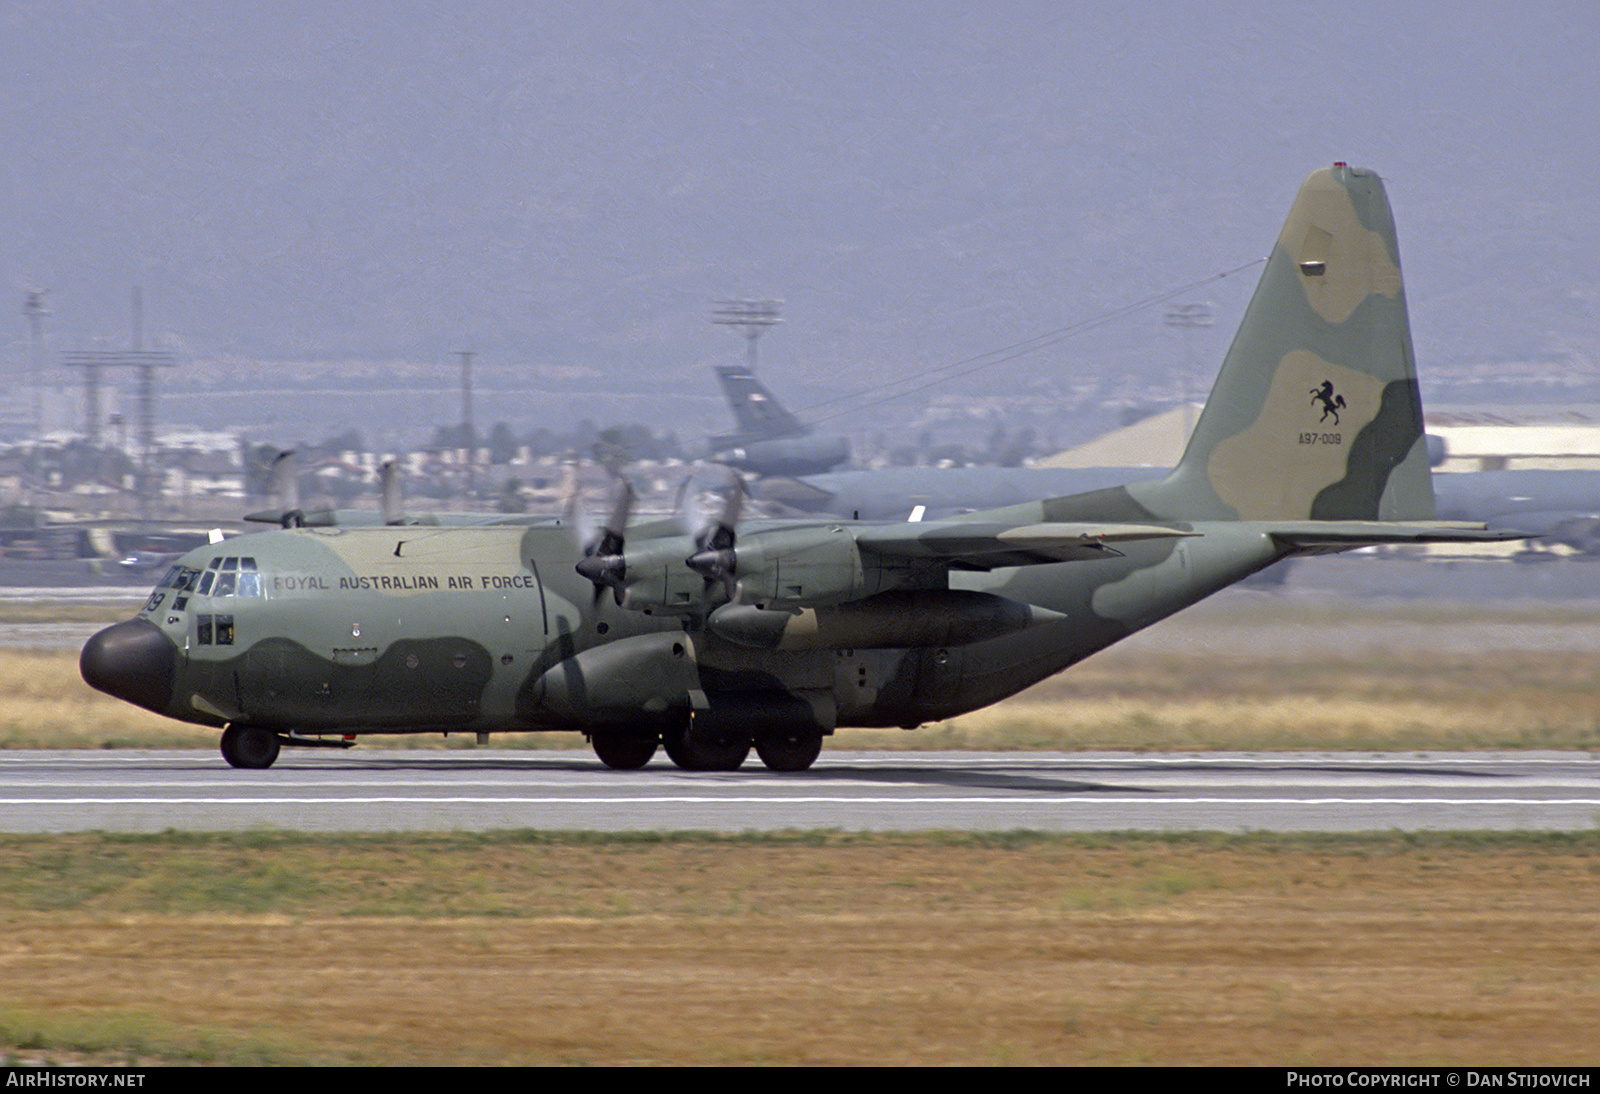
(975, 545)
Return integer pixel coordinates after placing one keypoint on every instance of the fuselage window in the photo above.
(202, 629)
(224, 630)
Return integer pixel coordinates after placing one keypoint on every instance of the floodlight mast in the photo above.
(35, 309)
(750, 316)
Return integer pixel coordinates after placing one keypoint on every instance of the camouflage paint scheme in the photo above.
(1312, 441)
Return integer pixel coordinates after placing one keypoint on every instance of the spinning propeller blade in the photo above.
(389, 493)
(603, 562)
(715, 558)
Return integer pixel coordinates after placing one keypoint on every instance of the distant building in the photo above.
(1516, 438)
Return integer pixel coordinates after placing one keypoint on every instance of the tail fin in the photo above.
(755, 408)
(1315, 414)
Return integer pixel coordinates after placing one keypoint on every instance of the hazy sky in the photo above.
(570, 184)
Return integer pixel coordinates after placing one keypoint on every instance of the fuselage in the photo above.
(489, 629)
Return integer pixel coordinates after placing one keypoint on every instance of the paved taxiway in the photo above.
(148, 791)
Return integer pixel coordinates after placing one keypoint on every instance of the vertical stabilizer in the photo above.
(1315, 414)
(755, 408)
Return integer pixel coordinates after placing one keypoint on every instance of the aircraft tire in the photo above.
(250, 747)
(721, 754)
(787, 751)
(623, 751)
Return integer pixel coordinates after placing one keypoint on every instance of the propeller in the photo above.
(389, 493)
(603, 563)
(714, 558)
(284, 486)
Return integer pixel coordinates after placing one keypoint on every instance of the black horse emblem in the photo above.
(1331, 403)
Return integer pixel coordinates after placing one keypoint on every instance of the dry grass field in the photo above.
(1020, 949)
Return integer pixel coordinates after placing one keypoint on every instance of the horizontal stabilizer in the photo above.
(368, 518)
(1318, 537)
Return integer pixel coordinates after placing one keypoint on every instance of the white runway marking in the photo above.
(685, 799)
(443, 791)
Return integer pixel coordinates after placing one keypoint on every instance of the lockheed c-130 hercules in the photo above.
(772, 634)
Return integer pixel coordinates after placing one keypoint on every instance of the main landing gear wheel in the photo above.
(722, 753)
(249, 746)
(623, 751)
(789, 751)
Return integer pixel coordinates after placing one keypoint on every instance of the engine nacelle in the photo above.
(783, 568)
(786, 455)
(659, 581)
(804, 567)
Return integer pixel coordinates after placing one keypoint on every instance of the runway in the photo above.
(150, 791)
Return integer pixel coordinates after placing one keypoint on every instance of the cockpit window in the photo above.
(181, 580)
(230, 575)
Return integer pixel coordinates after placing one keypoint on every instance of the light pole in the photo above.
(750, 316)
(35, 309)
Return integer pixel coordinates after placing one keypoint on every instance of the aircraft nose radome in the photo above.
(133, 661)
